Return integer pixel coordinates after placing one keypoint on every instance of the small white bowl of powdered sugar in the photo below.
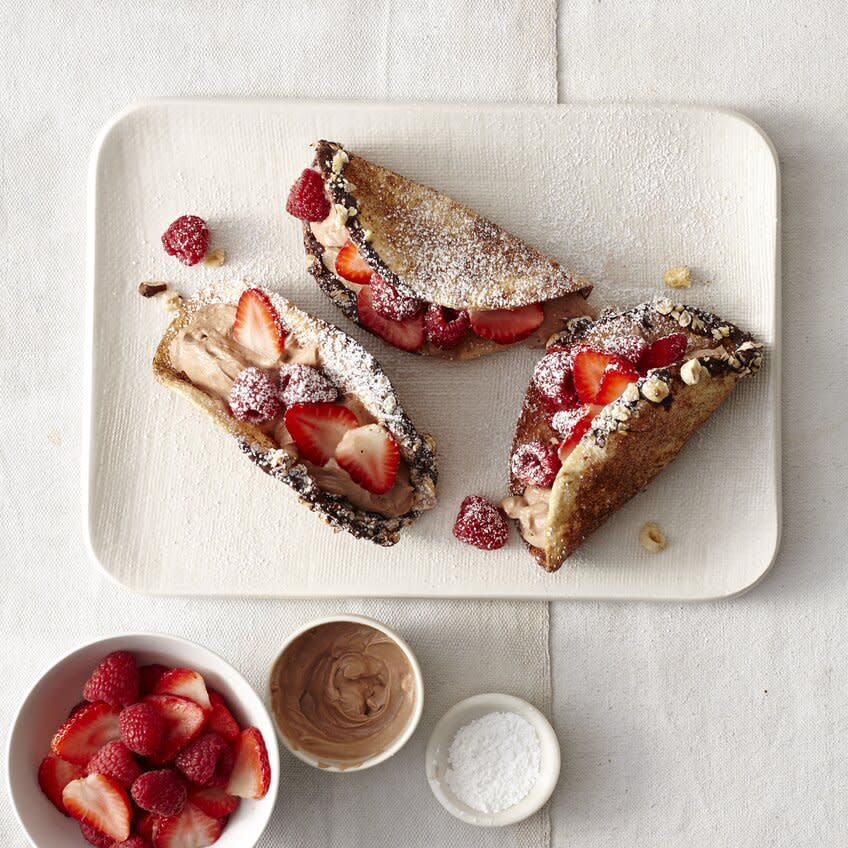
(493, 760)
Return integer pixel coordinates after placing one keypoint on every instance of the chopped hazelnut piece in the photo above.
(678, 278)
(692, 371)
(151, 289)
(655, 390)
(216, 258)
(651, 538)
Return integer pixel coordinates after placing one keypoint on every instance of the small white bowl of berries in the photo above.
(142, 741)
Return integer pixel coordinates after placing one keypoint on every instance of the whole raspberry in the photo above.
(536, 464)
(445, 328)
(197, 761)
(224, 768)
(390, 303)
(554, 378)
(307, 200)
(161, 792)
(303, 384)
(141, 728)
(148, 676)
(481, 524)
(135, 841)
(114, 681)
(253, 397)
(114, 759)
(565, 420)
(187, 239)
(94, 837)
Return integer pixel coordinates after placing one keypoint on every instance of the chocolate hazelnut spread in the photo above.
(206, 352)
(342, 693)
(530, 509)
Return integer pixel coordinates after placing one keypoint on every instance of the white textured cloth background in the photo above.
(63, 72)
(706, 725)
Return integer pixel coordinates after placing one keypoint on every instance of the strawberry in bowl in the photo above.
(168, 747)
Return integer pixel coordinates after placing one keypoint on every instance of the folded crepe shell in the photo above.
(353, 370)
(633, 438)
(431, 247)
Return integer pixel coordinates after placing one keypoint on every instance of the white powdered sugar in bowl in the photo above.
(494, 761)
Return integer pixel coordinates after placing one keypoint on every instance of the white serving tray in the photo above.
(617, 192)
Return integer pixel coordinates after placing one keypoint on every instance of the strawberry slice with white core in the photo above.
(213, 801)
(317, 428)
(186, 683)
(258, 328)
(192, 828)
(351, 266)
(54, 774)
(576, 427)
(506, 326)
(407, 334)
(100, 802)
(221, 720)
(88, 729)
(183, 719)
(251, 774)
(371, 456)
(618, 375)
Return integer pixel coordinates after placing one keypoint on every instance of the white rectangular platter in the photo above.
(618, 193)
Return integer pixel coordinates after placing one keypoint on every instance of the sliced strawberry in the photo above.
(149, 676)
(617, 377)
(588, 369)
(318, 427)
(257, 326)
(54, 774)
(213, 801)
(192, 828)
(183, 719)
(251, 775)
(221, 720)
(663, 352)
(351, 266)
(186, 683)
(578, 427)
(83, 734)
(506, 326)
(101, 803)
(371, 456)
(407, 334)
(147, 825)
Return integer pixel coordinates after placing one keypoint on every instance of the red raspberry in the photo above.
(224, 768)
(148, 676)
(390, 303)
(197, 761)
(307, 200)
(554, 378)
(187, 239)
(135, 841)
(94, 837)
(253, 397)
(481, 523)
(114, 759)
(304, 384)
(445, 328)
(536, 464)
(161, 792)
(114, 681)
(141, 728)
(564, 421)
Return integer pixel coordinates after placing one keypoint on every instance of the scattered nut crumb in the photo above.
(678, 278)
(151, 289)
(655, 390)
(172, 301)
(651, 538)
(216, 258)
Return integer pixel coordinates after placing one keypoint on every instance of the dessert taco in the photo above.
(306, 403)
(610, 405)
(420, 270)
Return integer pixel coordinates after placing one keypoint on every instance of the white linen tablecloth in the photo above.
(697, 725)
(63, 72)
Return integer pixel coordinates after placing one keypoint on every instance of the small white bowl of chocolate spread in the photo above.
(346, 693)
